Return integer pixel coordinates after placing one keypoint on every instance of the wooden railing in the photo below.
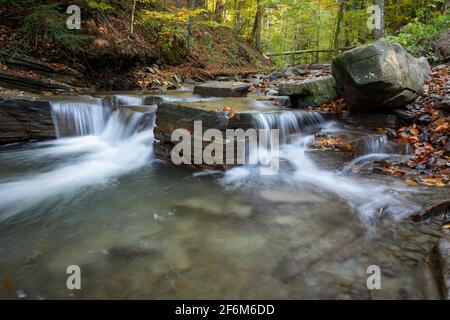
(298, 52)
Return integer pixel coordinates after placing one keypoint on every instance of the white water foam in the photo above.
(104, 148)
(368, 199)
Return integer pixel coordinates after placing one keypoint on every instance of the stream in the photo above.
(142, 229)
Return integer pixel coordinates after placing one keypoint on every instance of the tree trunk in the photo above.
(337, 32)
(188, 28)
(132, 17)
(378, 33)
(318, 31)
(257, 27)
(238, 19)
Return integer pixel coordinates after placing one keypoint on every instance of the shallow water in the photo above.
(142, 229)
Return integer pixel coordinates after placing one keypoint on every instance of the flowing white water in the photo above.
(368, 199)
(107, 144)
(288, 122)
(79, 119)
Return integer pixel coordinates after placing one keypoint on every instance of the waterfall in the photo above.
(288, 122)
(79, 118)
(95, 144)
(106, 117)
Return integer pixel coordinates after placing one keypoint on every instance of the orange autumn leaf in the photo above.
(231, 112)
(411, 182)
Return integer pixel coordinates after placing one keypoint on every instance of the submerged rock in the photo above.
(282, 196)
(25, 120)
(222, 89)
(380, 75)
(312, 92)
(215, 207)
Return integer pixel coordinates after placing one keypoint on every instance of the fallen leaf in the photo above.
(411, 182)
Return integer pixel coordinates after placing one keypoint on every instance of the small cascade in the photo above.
(79, 118)
(123, 100)
(124, 123)
(289, 123)
(96, 144)
(107, 117)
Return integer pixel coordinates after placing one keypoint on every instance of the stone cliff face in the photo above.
(25, 120)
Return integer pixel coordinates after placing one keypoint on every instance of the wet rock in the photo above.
(272, 92)
(445, 104)
(215, 207)
(443, 44)
(223, 89)
(287, 270)
(433, 211)
(290, 197)
(380, 75)
(330, 159)
(25, 120)
(438, 262)
(178, 258)
(290, 72)
(312, 92)
(372, 120)
(222, 115)
(282, 101)
(275, 75)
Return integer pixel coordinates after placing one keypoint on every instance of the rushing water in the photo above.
(139, 228)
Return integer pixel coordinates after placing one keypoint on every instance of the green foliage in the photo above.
(168, 26)
(39, 22)
(208, 40)
(418, 37)
(100, 5)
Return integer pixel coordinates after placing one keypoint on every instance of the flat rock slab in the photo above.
(24, 120)
(222, 89)
(237, 113)
(312, 92)
(220, 114)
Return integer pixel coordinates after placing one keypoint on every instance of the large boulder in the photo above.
(312, 92)
(222, 89)
(380, 75)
